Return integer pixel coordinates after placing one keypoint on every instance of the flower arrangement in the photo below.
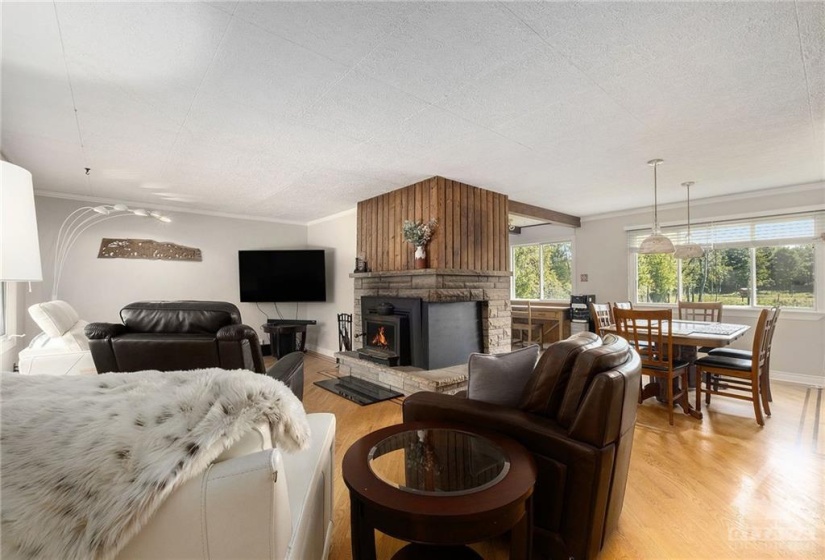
(418, 232)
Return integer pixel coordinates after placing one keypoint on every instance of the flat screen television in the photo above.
(278, 276)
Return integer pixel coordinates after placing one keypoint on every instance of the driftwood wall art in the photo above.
(146, 249)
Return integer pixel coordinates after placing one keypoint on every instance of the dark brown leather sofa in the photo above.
(175, 335)
(577, 417)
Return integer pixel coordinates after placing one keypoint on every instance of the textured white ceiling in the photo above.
(296, 111)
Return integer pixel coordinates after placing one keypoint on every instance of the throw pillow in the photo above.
(500, 378)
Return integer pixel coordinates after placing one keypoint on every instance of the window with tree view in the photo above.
(761, 262)
(543, 271)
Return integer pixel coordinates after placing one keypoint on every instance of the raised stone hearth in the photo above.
(405, 379)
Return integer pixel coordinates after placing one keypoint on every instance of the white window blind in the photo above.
(767, 231)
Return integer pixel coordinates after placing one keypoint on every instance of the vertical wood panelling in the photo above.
(477, 264)
(491, 261)
(504, 232)
(395, 221)
(436, 253)
(441, 192)
(379, 231)
(485, 231)
(456, 188)
(496, 227)
(464, 225)
(359, 229)
(448, 222)
(410, 249)
(471, 232)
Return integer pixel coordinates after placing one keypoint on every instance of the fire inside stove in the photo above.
(381, 336)
(380, 339)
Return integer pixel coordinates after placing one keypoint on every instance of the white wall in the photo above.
(600, 251)
(337, 236)
(99, 288)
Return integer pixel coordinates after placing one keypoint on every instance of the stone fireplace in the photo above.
(446, 308)
(440, 314)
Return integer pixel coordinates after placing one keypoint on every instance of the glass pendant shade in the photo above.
(656, 243)
(688, 250)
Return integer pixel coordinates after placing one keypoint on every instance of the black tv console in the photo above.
(283, 335)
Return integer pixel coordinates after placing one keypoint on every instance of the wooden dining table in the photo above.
(688, 337)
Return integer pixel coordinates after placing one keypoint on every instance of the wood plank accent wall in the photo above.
(471, 232)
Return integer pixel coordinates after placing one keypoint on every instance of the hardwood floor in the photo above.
(720, 488)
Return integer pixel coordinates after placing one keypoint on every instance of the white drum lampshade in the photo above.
(19, 244)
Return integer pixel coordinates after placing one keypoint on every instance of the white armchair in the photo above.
(252, 502)
(62, 348)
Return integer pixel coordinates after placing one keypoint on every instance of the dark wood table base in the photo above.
(444, 521)
(658, 388)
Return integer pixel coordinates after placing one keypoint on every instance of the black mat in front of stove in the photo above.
(358, 390)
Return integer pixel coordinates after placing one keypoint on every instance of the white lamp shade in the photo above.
(655, 244)
(19, 244)
(689, 251)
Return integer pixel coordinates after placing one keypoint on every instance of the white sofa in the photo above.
(62, 348)
(253, 502)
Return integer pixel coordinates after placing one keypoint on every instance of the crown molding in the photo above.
(712, 201)
(167, 208)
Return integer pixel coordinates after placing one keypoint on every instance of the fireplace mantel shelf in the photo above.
(430, 272)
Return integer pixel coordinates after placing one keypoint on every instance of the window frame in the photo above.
(814, 313)
(571, 240)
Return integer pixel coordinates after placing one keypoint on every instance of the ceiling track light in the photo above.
(656, 243)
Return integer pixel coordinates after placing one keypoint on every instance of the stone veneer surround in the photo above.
(490, 287)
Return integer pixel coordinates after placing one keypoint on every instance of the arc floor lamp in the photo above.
(84, 218)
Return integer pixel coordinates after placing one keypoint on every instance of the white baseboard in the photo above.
(799, 378)
(323, 351)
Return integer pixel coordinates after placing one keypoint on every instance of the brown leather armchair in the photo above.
(577, 417)
(175, 335)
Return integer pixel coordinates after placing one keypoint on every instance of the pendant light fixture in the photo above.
(656, 243)
(688, 250)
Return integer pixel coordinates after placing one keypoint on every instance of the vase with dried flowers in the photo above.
(419, 234)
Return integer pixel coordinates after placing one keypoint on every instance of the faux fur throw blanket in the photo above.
(85, 461)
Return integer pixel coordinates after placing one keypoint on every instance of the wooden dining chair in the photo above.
(600, 315)
(725, 375)
(524, 330)
(707, 311)
(748, 355)
(620, 305)
(652, 334)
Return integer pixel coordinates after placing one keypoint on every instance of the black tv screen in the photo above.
(282, 275)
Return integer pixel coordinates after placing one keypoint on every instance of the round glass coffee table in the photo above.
(441, 486)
